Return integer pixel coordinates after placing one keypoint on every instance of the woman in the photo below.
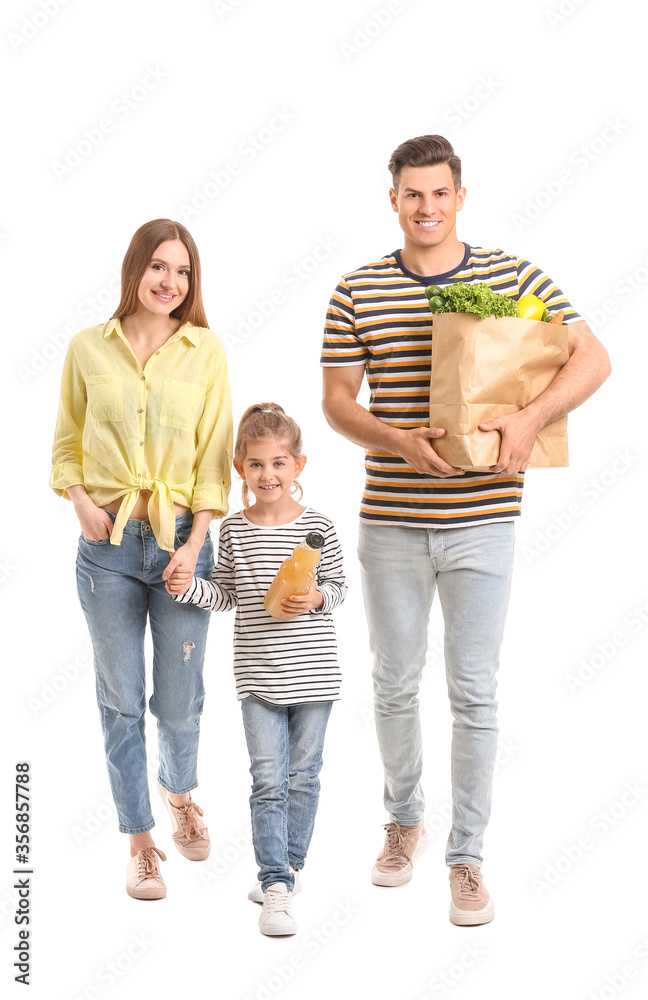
(143, 449)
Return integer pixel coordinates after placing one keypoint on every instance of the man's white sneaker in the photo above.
(256, 892)
(276, 915)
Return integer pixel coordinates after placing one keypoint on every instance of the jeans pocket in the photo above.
(89, 541)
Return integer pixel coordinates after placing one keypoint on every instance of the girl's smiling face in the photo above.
(269, 470)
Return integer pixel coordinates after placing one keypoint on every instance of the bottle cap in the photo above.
(314, 540)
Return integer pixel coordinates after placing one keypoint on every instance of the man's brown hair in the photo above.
(425, 151)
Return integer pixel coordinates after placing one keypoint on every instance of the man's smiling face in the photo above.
(427, 204)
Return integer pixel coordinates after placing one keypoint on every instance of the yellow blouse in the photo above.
(166, 427)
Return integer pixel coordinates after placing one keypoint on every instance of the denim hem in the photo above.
(173, 790)
(140, 829)
(392, 819)
(289, 885)
(463, 861)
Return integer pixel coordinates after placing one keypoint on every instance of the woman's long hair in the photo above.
(138, 256)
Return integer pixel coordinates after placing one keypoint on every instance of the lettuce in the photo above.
(477, 297)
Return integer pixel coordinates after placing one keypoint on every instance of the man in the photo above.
(425, 524)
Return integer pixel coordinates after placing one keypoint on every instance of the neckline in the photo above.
(272, 527)
(432, 279)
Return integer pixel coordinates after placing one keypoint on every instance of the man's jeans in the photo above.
(120, 586)
(285, 745)
(472, 568)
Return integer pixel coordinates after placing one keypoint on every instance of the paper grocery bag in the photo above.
(487, 368)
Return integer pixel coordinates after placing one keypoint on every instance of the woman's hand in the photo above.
(179, 573)
(299, 604)
(96, 524)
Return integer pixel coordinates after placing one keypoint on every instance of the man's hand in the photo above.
(518, 431)
(417, 450)
(299, 604)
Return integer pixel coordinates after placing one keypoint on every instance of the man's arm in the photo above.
(348, 417)
(586, 369)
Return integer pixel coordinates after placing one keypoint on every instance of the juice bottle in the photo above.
(295, 575)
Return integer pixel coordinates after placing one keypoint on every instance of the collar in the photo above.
(187, 330)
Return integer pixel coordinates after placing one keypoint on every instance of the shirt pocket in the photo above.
(105, 398)
(182, 404)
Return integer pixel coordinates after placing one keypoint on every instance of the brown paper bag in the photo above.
(487, 368)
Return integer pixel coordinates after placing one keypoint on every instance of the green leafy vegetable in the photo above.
(476, 298)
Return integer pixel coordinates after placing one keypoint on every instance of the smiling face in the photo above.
(427, 205)
(269, 470)
(165, 282)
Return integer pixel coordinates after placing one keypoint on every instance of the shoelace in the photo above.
(192, 827)
(147, 862)
(278, 902)
(394, 844)
(469, 881)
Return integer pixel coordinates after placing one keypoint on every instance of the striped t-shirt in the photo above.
(379, 317)
(285, 663)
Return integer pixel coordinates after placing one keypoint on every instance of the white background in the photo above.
(547, 111)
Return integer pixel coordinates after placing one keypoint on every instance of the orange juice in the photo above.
(295, 576)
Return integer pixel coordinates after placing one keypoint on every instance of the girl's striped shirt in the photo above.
(285, 663)
(379, 317)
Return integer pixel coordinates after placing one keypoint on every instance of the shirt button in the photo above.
(141, 444)
(143, 378)
(157, 352)
(140, 411)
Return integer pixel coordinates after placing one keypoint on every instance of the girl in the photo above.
(287, 676)
(142, 448)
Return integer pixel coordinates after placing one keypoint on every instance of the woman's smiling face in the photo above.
(165, 282)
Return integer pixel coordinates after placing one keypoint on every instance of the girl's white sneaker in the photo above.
(276, 915)
(256, 892)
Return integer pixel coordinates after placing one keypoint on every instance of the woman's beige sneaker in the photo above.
(276, 915)
(143, 878)
(395, 863)
(189, 832)
(471, 903)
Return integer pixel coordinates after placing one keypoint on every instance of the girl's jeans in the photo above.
(285, 746)
(120, 586)
(472, 569)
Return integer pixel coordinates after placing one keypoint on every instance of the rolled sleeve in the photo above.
(67, 451)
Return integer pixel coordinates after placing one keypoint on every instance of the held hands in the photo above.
(299, 604)
(518, 431)
(179, 573)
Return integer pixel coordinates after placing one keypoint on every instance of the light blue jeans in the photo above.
(472, 569)
(285, 745)
(120, 587)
